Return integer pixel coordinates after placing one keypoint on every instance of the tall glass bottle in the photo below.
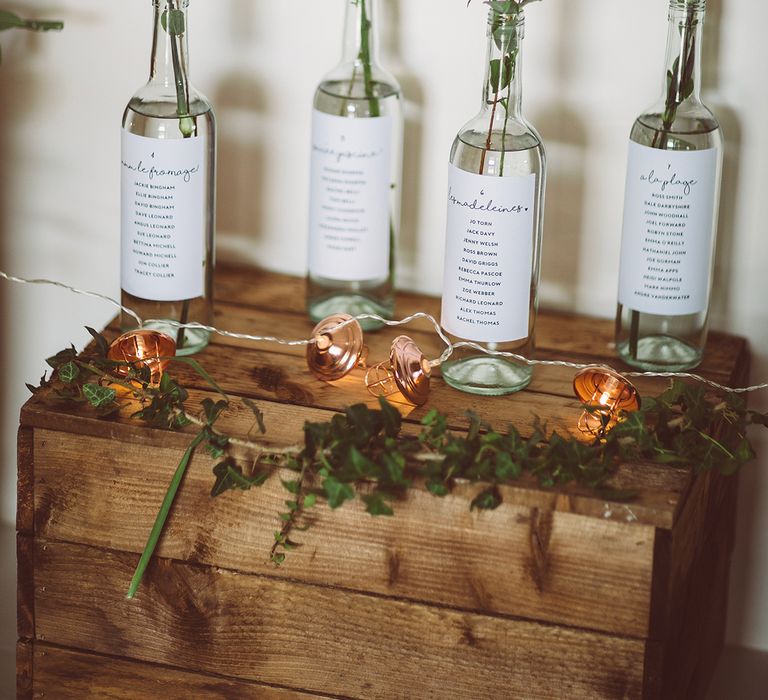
(168, 190)
(670, 212)
(494, 226)
(356, 164)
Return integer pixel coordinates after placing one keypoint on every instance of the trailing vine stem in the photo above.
(363, 454)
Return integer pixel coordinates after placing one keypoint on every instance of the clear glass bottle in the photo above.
(355, 182)
(494, 227)
(670, 212)
(168, 190)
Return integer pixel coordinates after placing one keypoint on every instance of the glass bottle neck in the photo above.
(169, 63)
(361, 33)
(502, 87)
(682, 79)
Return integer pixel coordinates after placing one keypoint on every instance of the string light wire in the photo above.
(446, 354)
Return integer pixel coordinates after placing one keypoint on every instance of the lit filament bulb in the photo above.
(142, 348)
(607, 395)
(407, 372)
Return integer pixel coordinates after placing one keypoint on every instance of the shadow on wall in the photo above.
(565, 140)
(732, 134)
(413, 104)
(241, 169)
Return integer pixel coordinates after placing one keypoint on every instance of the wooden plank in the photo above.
(24, 670)
(318, 638)
(539, 560)
(25, 587)
(694, 627)
(25, 497)
(66, 674)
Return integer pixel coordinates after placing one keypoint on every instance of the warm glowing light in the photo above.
(143, 348)
(407, 372)
(607, 395)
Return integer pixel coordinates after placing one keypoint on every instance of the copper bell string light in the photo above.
(407, 372)
(336, 349)
(607, 395)
(142, 348)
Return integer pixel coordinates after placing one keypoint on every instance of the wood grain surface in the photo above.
(556, 594)
(318, 638)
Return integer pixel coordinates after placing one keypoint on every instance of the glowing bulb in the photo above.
(606, 394)
(407, 372)
(143, 348)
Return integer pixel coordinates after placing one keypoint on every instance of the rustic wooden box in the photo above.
(556, 594)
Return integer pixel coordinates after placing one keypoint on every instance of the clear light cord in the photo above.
(449, 346)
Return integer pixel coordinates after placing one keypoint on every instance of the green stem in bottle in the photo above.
(365, 59)
(174, 25)
(679, 88)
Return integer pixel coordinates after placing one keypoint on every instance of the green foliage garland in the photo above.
(363, 454)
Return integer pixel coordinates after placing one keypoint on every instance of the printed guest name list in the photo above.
(666, 247)
(162, 226)
(488, 256)
(350, 202)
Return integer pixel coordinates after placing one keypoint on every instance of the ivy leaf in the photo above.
(392, 418)
(336, 491)
(309, 500)
(437, 488)
(68, 372)
(9, 20)
(98, 395)
(213, 410)
(489, 499)
(360, 464)
(173, 22)
(102, 346)
(376, 505)
(291, 486)
(258, 414)
(62, 357)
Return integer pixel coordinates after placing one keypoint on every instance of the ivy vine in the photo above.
(363, 454)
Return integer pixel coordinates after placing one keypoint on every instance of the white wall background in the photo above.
(590, 67)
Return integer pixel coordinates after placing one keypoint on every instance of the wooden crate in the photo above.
(556, 594)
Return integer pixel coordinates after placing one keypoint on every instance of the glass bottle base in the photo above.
(352, 304)
(486, 376)
(195, 340)
(662, 353)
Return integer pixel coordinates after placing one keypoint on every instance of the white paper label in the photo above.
(349, 204)
(162, 217)
(666, 243)
(488, 256)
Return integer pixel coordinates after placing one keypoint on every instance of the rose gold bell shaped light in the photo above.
(336, 349)
(143, 347)
(407, 371)
(607, 393)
